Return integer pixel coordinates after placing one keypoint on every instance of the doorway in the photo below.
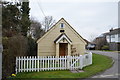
(63, 49)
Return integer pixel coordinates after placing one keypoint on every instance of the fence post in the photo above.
(53, 63)
(30, 63)
(38, 64)
(81, 61)
(16, 65)
(90, 58)
(47, 59)
(21, 63)
(24, 59)
(27, 63)
(68, 62)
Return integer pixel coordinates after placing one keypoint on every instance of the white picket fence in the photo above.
(42, 63)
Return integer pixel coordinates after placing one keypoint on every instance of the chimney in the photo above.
(111, 29)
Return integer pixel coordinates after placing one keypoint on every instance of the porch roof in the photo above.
(63, 35)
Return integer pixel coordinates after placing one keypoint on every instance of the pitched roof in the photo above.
(74, 30)
(86, 41)
(48, 31)
(114, 31)
(63, 35)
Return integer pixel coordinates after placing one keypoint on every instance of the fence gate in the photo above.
(74, 62)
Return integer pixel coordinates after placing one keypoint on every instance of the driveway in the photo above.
(111, 72)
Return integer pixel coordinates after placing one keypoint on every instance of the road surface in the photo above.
(111, 72)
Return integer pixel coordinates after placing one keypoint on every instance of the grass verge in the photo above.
(100, 63)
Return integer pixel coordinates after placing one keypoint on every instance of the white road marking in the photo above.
(106, 75)
(117, 74)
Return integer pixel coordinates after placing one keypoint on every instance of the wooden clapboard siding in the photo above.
(46, 45)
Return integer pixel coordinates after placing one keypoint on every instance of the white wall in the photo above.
(116, 38)
(108, 38)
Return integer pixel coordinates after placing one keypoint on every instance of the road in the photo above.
(111, 72)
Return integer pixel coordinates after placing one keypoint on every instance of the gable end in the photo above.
(53, 27)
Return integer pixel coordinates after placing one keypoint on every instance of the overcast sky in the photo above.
(87, 17)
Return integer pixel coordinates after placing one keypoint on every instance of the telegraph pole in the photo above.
(1, 47)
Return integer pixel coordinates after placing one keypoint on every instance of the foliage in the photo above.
(100, 41)
(105, 47)
(25, 21)
(118, 46)
(12, 47)
(15, 25)
(18, 45)
(10, 19)
(15, 19)
(32, 47)
(36, 30)
(100, 63)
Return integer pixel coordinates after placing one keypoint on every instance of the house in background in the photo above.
(100, 41)
(61, 40)
(113, 38)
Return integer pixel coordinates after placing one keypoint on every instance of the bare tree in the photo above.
(92, 37)
(100, 42)
(36, 30)
(48, 22)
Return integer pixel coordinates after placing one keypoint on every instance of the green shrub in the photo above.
(105, 47)
(12, 46)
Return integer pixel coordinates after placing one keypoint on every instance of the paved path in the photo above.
(111, 72)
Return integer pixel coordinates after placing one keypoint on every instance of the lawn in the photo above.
(100, 63)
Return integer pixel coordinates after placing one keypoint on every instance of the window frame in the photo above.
(112, 36)
(62, 25)
(119, 35)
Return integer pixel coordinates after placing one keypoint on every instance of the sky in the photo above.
(89, 18)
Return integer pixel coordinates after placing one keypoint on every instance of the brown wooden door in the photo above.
(63, 49)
